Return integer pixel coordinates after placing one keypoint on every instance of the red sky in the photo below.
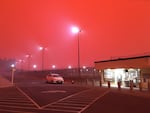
(110, 28)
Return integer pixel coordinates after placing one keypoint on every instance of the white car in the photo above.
(54, 78)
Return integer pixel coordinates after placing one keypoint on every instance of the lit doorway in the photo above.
(123, 75)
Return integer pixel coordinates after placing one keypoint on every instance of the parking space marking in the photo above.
(70, 104)
(94, 101)
(63, 99)
(16, 103)
(14, 111)
(79, 102)
(19, 101)
(29, 98)
(67, 111)
(20, 107)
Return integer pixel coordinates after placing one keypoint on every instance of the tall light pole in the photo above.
(43, 55)
(28, 56)
(77, 31)
(21, 64)
(12, 73)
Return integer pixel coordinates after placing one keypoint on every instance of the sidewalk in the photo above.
(124, 90)
(4, 82)
(135, 92)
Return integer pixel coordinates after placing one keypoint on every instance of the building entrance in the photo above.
(123, 75)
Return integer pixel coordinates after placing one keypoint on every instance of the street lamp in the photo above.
(53, 66)
(43, 54)
(28, 56)
(84, 67)
(34, 66)
(76, 30)
(12, 73)
(21, 64)
(69, 67)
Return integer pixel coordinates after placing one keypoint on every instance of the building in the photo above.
(125, 70)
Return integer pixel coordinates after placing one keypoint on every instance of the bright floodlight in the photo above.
(12, 65)
(84, 67)
(53, 66)
(34, 66)
(69, 67)
(75, 30)
(41, 48)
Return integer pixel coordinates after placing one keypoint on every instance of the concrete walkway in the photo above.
(134, 92)
(4, 82)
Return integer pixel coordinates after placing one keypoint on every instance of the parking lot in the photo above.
(39, 97)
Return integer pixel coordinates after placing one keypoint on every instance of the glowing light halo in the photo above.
(34, 66)
(75, 30)
(41, 48)
(53, 66)
(69, 67)
(12, 65)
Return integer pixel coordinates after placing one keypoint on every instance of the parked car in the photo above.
(54, 78)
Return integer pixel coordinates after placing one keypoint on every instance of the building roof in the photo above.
(118, 59)
(132, 62)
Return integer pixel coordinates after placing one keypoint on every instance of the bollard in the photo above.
(86, 81)
(148, 85)
(100, 83)
(72, 81)
(93, 82)
(108, 84)
(140, 86)
(119, 85)
(131, 85)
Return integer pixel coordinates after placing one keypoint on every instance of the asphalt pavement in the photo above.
(114, 102)
(71, 98)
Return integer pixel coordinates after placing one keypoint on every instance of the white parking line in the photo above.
(64, 105)
(63, 99)
(71, 101)
(93, 101)
(29, 98)
(16, 103)
(14, 111)
(72, 104)
(11, 106)
(67, 111)
(10, 100)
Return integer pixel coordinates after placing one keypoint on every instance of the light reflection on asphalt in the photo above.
(54, 91)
